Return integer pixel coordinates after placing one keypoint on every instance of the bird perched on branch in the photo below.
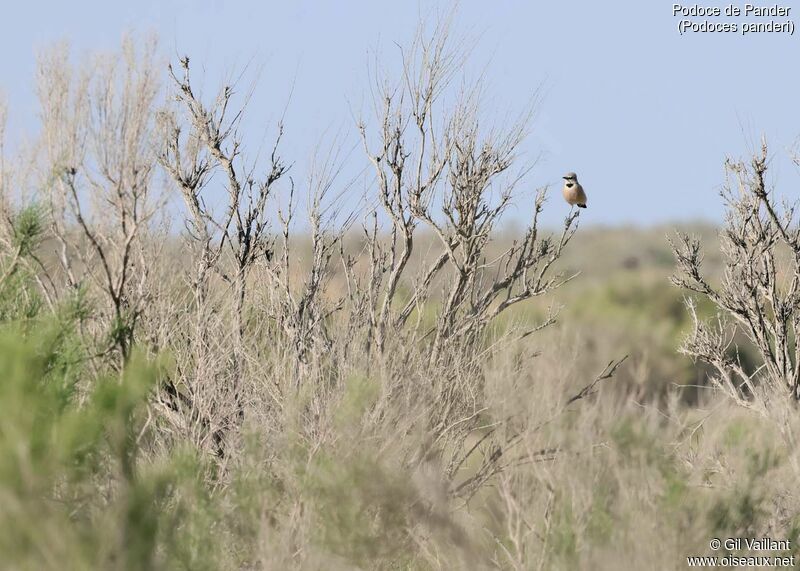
(573, 191)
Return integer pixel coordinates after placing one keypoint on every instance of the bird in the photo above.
(573, 191)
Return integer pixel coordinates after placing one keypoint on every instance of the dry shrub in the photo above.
(758, 299)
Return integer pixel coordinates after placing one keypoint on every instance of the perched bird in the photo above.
(573, 191)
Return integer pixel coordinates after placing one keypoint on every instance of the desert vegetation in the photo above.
(211, 360)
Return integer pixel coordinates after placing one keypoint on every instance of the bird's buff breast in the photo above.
(574, 194)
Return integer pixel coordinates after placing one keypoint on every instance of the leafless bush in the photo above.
(248, 246)
(297, 293)
(194, 148)
(759, 294)
(98, 165)
(438, 166)
(438, 169)
(441, 168)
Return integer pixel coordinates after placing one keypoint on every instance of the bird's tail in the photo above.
(581, 206)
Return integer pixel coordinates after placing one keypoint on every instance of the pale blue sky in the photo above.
(644, 115)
